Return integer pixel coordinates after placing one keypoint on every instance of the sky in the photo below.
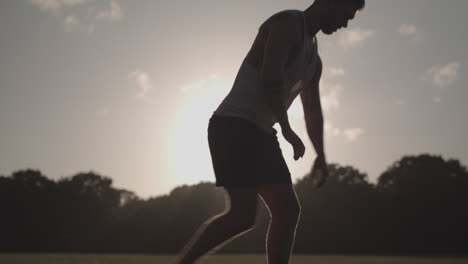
(126, 88)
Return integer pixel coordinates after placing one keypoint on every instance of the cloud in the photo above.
(327, 125)
(112, 14)
(328, 128)
(443, 76)
(330, 96)
(81, 15)
(354, 38)
(336, 131)
(72, 23)
(437, 100)
(349, 134)
(197, 86)
(409, 30)
(336, 72)
(47, 4)
(193, 86)
(144, 83)
(352, 134)
(56, 4)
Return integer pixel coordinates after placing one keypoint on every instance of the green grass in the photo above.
(216, 259)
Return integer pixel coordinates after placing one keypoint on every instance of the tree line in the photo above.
(417, 207)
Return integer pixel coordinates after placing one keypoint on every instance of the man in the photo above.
(282, 63)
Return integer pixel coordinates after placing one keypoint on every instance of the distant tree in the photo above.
(87, 205)
(424, 173)
(338, 215)
(417, 207)
(22, 197)
(425, 194)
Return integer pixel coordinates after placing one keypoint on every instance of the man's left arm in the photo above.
(310, 98)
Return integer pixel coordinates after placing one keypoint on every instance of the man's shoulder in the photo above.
(288, 16)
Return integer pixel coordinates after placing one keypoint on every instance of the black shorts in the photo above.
(243, 155)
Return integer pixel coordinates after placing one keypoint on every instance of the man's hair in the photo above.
(360, 4)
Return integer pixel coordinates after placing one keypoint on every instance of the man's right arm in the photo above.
(281, 38)
(310, 97)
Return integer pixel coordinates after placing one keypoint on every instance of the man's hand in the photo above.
(295, 141)
(320, 170)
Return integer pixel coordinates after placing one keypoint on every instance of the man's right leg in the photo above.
(238, 218)
(284, 207)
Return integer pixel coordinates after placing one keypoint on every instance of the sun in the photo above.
(189, 156)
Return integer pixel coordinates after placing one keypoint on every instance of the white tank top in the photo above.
(246, 98)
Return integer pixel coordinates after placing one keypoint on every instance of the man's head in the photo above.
(337, 13)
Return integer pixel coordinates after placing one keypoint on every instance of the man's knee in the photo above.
(289, 213)
(296, 212)
(282, 201)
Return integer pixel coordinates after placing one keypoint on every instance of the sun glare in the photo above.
(189, 155)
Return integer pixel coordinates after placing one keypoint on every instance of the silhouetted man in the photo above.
(282, 63)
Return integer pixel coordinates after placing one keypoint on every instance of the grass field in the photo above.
(216, 259)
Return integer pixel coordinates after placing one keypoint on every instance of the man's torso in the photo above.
(246, 97)
(255, 55)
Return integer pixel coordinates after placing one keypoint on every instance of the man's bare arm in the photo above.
(313, 115)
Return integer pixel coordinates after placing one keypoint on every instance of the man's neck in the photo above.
(313, 16)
